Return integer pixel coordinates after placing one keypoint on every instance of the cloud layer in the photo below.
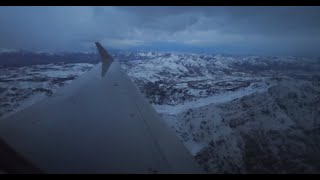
(238, 30)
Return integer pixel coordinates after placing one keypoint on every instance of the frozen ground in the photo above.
(21, 87)
(235, 114)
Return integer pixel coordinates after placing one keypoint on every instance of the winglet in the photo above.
(106, 59)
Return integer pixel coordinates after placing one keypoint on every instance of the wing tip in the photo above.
(106, 59)
(105, 56)
(97, 43)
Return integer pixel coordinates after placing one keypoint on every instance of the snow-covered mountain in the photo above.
(238, 114)
(235, 114)
(271, 131)
(168, 78)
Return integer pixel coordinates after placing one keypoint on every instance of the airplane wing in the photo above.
(100, 123)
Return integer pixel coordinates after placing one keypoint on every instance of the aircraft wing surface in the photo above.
(100, 123)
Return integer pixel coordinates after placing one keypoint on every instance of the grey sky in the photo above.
(255, 30)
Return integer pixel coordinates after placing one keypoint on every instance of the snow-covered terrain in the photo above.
(21, 87)
(235, 114)
(238, 114)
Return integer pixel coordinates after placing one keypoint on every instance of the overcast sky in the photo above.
(236, 30)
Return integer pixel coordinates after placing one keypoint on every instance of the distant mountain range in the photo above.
(15, 58)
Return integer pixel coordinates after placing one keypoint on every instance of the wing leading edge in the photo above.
(97, 125)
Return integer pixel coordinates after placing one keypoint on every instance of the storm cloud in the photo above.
(236, 30)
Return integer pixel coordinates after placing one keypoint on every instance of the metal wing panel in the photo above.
(97, 125)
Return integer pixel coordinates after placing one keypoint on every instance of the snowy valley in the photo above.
(235, 114)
